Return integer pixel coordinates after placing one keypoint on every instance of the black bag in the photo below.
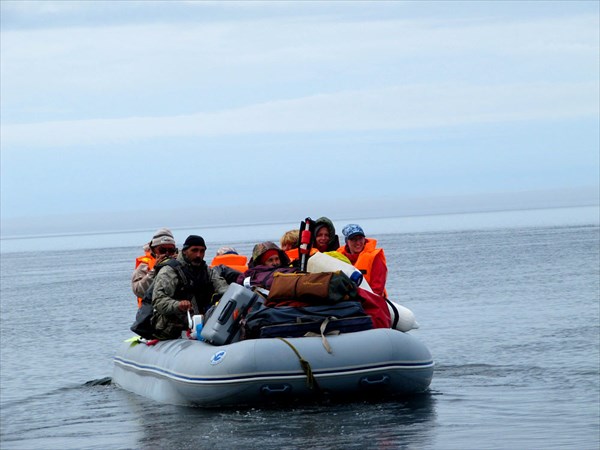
(143, 325)
(308, 314)
(344, 325)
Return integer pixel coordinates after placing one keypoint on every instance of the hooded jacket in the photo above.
(334, 240)
(261, 275)
(261, 249)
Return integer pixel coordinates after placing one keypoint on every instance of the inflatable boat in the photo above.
(376, 362)
(383, 362)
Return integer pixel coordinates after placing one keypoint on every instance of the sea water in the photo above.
(510, 314)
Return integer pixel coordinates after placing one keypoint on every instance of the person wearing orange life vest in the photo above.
(228, 256)
(290, 242)
(160, 248)
(229, 264)
(323, 240)
(366, 257)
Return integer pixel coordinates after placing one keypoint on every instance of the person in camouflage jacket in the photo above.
(182, 285)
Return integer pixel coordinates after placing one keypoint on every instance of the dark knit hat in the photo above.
(192, 241)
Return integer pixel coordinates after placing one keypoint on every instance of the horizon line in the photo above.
(279, 222)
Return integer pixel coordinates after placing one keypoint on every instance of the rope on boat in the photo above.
(323, 338)
(322, 334)
(311, 381)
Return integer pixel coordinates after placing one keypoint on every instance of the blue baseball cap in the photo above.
(352, 230)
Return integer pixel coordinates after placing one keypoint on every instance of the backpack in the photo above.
(143, 324)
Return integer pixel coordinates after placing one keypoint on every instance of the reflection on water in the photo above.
(112, 418)
(331, 425)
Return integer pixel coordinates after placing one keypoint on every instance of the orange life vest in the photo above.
(150, 261)
(294, 253)
(236, 262)
(364, 263)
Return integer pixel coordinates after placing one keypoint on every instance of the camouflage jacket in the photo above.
(175, 282)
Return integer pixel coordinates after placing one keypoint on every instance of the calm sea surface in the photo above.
(510, 314)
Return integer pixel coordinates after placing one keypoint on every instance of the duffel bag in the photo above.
(324, 287)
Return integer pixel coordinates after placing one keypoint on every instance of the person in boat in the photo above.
(289, 240)
(366, 257)
(161, 246)
(324, 237)
(184, 284)
(229, 264)
(267, 258)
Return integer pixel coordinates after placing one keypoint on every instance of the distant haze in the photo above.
(295, 211)
(136, 115)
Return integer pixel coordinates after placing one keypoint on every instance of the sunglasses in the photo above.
(166, 250)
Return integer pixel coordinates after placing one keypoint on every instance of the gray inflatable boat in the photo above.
(378, 362)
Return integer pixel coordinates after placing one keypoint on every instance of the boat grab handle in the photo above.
(381, 379)
(278, 389)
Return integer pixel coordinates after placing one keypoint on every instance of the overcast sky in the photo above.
(121, 107)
